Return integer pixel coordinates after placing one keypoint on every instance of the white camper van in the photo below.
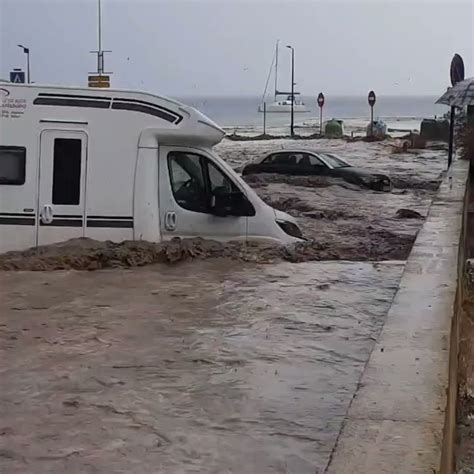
(119, 165)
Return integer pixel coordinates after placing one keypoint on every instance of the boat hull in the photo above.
(284, 108)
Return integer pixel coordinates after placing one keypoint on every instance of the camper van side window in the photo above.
(67, 171)
(12, 165)
(187, 181)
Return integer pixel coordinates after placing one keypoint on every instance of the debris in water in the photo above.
(408, 214)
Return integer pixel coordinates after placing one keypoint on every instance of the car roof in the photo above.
(293, 150)
(299, 150)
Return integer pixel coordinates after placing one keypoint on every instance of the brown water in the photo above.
(207, 368)
(342, 221)
(221, 365)
(347, 221)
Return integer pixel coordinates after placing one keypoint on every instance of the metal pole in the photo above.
(320, 121)
(276, 70)
(292, 91)
(264, 118)
(28, 66)
(100, 26)
(371, 121)
(451, 137)
(100, 60)
(27, 52)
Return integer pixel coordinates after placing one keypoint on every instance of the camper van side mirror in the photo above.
(230, 203)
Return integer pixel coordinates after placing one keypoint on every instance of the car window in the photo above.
(269, 159)
(194, 179)
(335, 161)
(314, 160)
(218, 179)
(187, 181)
(303, 159)
(293, 158)
(12, 165)
(282, 159)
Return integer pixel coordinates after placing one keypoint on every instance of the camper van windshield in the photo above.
(12, 165)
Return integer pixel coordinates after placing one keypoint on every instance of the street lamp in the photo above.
(27, 52)
(292, 89)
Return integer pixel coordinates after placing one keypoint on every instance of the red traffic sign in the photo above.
(372, 98)
(457, 70)
(321, 99)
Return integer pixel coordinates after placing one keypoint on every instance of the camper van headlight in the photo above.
(290, 229)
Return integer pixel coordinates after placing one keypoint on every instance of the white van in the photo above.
(119, 165)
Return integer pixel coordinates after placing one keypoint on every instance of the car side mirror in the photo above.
(230, 203)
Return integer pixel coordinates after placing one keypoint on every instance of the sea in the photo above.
(240, 114)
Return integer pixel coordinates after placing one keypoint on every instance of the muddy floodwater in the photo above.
(207, 368)
(350, 222)
(341, 221)
(221, 358)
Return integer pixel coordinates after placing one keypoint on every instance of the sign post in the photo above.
(99, 79)
(372, 99)
(264, 118)
(457, 75)
(321, 105)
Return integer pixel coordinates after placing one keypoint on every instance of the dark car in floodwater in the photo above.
(311, 163)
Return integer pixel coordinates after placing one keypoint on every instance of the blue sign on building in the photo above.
(17, 77)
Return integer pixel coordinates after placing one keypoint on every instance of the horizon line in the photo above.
(254, 96)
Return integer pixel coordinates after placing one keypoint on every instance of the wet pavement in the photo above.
(209, 367)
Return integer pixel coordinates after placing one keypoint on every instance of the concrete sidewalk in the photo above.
(395, 422)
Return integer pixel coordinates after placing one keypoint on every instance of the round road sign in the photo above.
(457, 69)
(372, 98)
(321, 99)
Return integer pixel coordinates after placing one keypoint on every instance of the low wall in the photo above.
(449, 436)
(402, 417)
(459, 427)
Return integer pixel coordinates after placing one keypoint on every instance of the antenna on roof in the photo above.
(100, 80)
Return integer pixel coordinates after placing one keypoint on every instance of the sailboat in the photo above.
(280, 104)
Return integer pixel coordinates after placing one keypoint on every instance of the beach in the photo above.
(240, 114)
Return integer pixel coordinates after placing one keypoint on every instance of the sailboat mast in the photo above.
(276, 69)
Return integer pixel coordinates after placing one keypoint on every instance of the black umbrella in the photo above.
(460, 95)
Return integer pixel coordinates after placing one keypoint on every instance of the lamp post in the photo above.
(292, 89)
(27, 52)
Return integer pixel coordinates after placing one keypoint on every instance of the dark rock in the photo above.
(408, 214)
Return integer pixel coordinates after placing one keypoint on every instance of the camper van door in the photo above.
(190, 183)
(61, 189)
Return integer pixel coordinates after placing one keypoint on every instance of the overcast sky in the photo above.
(225, 47)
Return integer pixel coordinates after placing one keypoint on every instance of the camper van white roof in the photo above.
(178, 122)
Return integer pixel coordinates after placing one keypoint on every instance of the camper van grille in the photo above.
(97, 102)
